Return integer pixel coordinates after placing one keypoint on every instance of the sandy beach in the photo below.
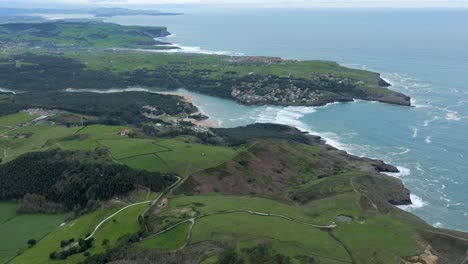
(210, 122)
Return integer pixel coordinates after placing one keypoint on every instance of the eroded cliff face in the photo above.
(427, 257)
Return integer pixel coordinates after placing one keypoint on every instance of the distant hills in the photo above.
(99, 12)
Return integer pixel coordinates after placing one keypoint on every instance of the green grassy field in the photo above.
(15, 119)
(187, 157)
(41, 134)
(77, 228)
(102, 131)
(243, 227)
(376, 235)
(179, 155)
(92, 133)
(380, 238)
(172, 240)
(16, 230)
(216, 203)
(149, 162)
(124, 223)
(131, 147)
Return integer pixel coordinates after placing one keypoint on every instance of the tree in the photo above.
(64, 243)
(32, 242)
(105, 242)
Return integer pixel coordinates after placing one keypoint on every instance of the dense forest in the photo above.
(33, 72)
(111, 108)
(73, 179)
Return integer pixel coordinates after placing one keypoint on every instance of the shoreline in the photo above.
(416, 201)
(210, 122)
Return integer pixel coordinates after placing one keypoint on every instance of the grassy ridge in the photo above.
(79, 35)
(245, 227)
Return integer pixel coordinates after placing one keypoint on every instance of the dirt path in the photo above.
(350, 253)
(442, 233)
(376, 209)
(109, 217)
(168, 190)
(465, 261)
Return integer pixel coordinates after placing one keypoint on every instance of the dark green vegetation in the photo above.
(31, 72)
(65, 36)
(57, 181)
(241, 135)
(113, 108)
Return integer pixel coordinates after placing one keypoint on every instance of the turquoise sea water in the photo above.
(422, 53)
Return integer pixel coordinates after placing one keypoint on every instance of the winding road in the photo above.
(112, 215)
(150, 202)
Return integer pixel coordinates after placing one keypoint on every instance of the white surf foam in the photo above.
(428, 139)
(176, 48)
(402, 152)
(415, 132)
(417, 104)
(291, 115)
(452, 116)
(3, 90)
(403, 172)
(64, 16)
(130, 89)
(194, 50)
(429, 121)
(166, 37)
(387, 80)
(417, 202)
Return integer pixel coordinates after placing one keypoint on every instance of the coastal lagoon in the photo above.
(422, 53)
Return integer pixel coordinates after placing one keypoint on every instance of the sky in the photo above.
(244, 3)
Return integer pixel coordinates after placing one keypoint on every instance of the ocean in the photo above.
(422, 53)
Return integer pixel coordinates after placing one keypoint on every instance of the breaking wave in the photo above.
(417, 202)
